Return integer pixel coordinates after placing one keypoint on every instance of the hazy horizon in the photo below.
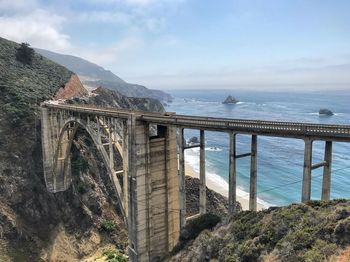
(180, 44)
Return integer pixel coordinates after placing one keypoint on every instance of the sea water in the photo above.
(280, 160)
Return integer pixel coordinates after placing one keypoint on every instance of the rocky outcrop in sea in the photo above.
(230, 100)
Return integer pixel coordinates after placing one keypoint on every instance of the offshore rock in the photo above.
(230, 100)
(193, 140)
(325, 112)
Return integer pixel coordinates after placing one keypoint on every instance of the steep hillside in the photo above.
(95, 76)
(34, 224)
(317, 231)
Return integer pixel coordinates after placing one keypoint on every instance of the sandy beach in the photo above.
(214, 185)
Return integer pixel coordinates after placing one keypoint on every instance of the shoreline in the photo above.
(210, 182)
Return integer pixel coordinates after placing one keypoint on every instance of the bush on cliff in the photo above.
(25, 54)
(315, 231)
(194, 227)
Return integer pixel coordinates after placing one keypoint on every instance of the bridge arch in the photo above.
(61, 160)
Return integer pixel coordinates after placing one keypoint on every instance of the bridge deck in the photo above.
(259, 127)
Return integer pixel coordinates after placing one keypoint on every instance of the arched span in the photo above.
(63, 148)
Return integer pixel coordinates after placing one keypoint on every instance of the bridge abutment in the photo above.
(154, 221)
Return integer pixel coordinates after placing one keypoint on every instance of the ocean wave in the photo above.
(213, 149)
(317, 113)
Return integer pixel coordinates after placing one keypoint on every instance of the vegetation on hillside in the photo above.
(25, 54)
(316, 231)
(26, 79)
(36, 225)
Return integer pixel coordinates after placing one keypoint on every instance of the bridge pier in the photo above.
(306, 184)
(154, 221)
(253, 174)
(126, 158)
(182, 178)
(232, 197)
(110, 146)
(202, 183)
(327, 169)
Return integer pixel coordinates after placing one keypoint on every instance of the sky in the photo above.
(189, 44)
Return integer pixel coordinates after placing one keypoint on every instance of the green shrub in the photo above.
(25, 54)
(197, 225)
(80, 165)
(320, 251)
(82, 188)
(108, 225)
(115, 256)
(194, 227)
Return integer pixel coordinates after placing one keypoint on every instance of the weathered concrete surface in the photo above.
(306, 185)
(327, 170)
(253, 174)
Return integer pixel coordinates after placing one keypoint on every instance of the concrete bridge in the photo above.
(151, 181)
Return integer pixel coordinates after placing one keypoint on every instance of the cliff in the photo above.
(71, 89)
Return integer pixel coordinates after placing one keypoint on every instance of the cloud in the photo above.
(135, 3)
(105, 17)
(272, 78)
(113, 54)
(10, 6)
(39, 28)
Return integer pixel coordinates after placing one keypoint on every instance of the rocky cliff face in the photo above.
(73, 88)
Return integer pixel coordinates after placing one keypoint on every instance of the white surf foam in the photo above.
(213, 149)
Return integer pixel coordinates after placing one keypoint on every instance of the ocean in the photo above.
(280, 160)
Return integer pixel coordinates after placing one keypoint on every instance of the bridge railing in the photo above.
(244, 125)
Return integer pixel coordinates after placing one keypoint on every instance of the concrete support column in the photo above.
(202, 184)
(132, 196)
(253, 174)
(306, 186)
(232, 175)
(111, 153)
(182, 181)
(98, 130)
(327, 170)
(125, 167)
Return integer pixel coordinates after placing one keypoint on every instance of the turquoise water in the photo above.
(280, 160)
